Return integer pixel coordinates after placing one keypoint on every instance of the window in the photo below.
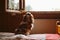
(42, 5)
(14, 5)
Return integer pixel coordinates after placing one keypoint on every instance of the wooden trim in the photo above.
(23, 4)
(20, 4)
(6, 4)
(46, 14)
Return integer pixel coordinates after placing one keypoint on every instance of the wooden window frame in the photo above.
(21, 6)
(37, 14)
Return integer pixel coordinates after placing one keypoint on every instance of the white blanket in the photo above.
(11, 36)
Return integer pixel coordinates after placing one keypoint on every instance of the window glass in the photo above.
(42, 5)
(13, 4)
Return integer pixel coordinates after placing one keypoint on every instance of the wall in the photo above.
(8, 20)
(44, 26)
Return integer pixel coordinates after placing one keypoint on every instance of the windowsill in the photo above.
(13, 11)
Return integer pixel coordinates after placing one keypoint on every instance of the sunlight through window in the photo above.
(14, 4)
(42, 5)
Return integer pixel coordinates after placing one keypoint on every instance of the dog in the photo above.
(26, 24)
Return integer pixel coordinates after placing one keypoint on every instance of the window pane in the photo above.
(42, 5)
(13, 4)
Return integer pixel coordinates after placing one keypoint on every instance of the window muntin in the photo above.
(42, 5)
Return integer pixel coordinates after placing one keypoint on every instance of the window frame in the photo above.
(37, 14)
(21, 6)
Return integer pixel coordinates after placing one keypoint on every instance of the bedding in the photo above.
(11, 36)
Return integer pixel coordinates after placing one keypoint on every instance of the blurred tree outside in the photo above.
(13, 4)
(28, 8)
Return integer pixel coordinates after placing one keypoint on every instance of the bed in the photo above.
(11, 36)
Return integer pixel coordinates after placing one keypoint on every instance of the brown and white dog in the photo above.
(26, 25)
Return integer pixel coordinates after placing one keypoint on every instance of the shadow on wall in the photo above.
(44, 26)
